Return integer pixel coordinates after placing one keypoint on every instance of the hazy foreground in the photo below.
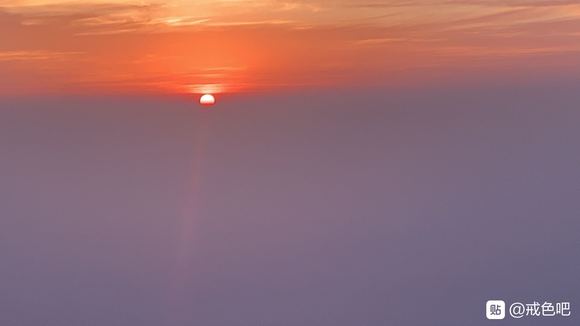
(315, 210)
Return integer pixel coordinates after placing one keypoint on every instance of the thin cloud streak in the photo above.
(7, 56)
(154, 47)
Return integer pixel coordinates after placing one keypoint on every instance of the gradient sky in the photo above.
(177, 46)
(448, 178)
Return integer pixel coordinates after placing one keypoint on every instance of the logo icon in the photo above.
(495, 309)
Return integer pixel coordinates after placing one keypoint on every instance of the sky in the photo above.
(181, 47)
(367, 162)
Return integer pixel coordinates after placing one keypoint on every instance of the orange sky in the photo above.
(179, 46)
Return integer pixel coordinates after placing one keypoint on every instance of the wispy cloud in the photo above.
(36, 55)
(178, 43)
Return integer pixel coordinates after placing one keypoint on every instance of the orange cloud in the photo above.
(238, 45)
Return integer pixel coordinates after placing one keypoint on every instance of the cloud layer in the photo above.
(183, 46)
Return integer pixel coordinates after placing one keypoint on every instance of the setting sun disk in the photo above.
(207, 100)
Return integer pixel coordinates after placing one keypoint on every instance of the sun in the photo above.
(207, 100)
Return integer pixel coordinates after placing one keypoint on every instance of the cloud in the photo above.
(176, 44)
(439, 3)
(36, 55)
(109, 17)
(85, 18)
